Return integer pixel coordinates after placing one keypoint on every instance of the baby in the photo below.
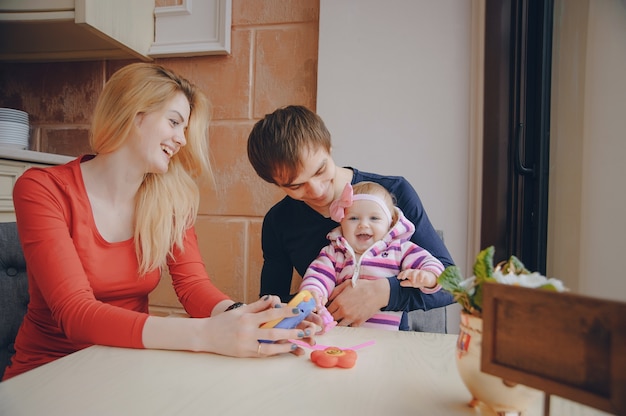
(372, 242)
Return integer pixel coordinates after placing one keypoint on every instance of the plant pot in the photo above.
(497, 395)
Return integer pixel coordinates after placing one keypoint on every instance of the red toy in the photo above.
(334, 357)
(329, 357)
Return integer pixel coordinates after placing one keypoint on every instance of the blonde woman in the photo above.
(97, 232)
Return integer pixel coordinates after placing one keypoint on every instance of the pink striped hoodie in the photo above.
(387, 257)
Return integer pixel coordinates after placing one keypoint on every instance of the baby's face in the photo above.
(364, 223)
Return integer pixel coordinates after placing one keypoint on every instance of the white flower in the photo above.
(468, 293)
(469, 285)
(532, 280)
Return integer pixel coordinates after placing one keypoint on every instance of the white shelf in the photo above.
(12, 153)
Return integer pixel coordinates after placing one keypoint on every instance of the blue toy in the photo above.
(303, 301)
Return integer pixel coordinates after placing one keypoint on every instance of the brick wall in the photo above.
(273, 62)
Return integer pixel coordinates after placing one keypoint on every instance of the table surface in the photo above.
(403, 373)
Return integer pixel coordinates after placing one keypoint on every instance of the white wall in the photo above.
(587, 203)
(394, 91)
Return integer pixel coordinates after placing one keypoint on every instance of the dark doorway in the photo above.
(518, 53)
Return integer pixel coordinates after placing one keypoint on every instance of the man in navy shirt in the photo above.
(291, 148)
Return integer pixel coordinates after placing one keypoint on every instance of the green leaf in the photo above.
(549, 287)
(478, 296)
(465, 301)
(514, 266)
(483, 267)
(450, 279)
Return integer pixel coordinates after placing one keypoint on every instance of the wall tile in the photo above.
(52, 93)
(254, 12)
(220, 263)
(255, 260)
(285, 68)
(224, 79)
(223, 243)
(65, 141)
(112, 67)
(239, 190)
(164, 296)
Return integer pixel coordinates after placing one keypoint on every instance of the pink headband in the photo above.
(338, 206)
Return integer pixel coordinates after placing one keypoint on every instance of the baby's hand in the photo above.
(320, 301)
(417, 278)
(320, 309)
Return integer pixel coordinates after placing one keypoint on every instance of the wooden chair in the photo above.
(564, 344)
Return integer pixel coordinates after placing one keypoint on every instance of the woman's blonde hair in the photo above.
(166, 204)
(373, 188)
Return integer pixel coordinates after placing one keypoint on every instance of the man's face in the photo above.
(314, 184)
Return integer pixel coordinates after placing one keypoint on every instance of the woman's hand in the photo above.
(353, 305)
(239, 330)
(234, 333)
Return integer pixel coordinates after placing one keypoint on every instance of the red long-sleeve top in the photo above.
(83, 289)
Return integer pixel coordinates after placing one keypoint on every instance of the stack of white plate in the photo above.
(14, 128)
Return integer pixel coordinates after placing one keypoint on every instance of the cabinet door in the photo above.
(9, 172)
(87, 30)
(129, 23)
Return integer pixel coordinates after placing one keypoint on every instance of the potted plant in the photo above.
(497, 395)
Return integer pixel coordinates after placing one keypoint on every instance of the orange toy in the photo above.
(334, 357)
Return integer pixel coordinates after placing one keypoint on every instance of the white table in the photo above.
(404, 373)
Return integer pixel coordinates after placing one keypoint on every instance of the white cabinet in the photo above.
(191, 29)
(56, 30)
(13, 163)
(9, 172)
(80, 30)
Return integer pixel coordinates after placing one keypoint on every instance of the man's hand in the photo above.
(353, 305)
